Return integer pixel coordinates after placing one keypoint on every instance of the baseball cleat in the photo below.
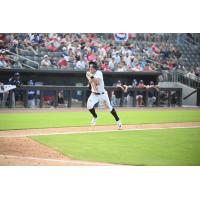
(119, 124)
(93, 122)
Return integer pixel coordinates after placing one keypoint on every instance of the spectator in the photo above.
(155, 49)
(81, 65)
(152, 94)
(53, 62)
(191, 74)
(35, 39)
(127, 60)
(197, 71)
(52, 47)
(31, 96)
(111, 64)
(121, 67)
(29, 46)
(46, 62)
(104, 66)
(4, 60)
(140, 94)
(63, 63)
(64, 52)
(117, 58)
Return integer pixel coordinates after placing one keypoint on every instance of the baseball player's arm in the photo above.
(91, 78)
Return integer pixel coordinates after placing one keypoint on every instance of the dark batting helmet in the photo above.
(93, 64)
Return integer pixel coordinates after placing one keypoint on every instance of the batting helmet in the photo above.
(94, 65)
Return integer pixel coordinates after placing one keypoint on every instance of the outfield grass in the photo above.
(11, 121)
(149, 147)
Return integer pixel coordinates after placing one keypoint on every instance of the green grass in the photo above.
(150, 147)
(9, 121)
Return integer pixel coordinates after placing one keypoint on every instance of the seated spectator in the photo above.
(80, 65)
(63, 63)
(53, 62)
(111, 64)
(176, 53)
(191, 74)
(127, 59)
(92, 57)
(152, 93)
(140, 94)
(155, 49)
(4, 60)
(137, 68)
(143, 62)
(29, 46)
(52, 47)
(64, 52)
(35, 39)
(147, 68)
(104, 66)
(117, 58)
(121, 67)
(46, 61)
(31, 96)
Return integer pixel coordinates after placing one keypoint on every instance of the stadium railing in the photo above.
(170, 94)
(183, 77)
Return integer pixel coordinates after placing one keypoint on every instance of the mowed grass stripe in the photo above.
(9, 121)
(171, 147)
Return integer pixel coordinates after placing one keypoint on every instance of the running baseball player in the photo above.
(98, 94)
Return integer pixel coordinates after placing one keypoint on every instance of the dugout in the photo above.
(72, 78)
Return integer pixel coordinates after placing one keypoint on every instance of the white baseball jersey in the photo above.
(100, 87)
(102, 95)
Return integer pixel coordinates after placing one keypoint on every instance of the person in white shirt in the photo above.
(46, 62)
(111, 64)
(81, 64)
(127, 59)
(98, 94)
(117, 59)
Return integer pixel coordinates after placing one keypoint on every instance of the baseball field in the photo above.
(150, 137)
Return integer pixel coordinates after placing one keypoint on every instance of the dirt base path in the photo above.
(17, 149)
(89, 129)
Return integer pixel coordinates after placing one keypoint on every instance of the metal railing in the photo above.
(170, 94)
(24, 58)
(184, 78)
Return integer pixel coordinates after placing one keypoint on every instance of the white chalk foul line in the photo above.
(53, 160)
(95, 131)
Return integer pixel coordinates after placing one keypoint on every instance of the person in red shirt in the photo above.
(52, 48)
(104, 66)
(155, 49)
(63, 63)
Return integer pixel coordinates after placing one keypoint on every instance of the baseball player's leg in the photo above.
(112, 110)
(92, 100)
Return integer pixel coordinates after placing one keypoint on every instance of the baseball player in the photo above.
(98, 94)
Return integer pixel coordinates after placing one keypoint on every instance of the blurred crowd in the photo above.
(73, 51)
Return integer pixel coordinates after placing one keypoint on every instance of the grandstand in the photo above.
(161, 57)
